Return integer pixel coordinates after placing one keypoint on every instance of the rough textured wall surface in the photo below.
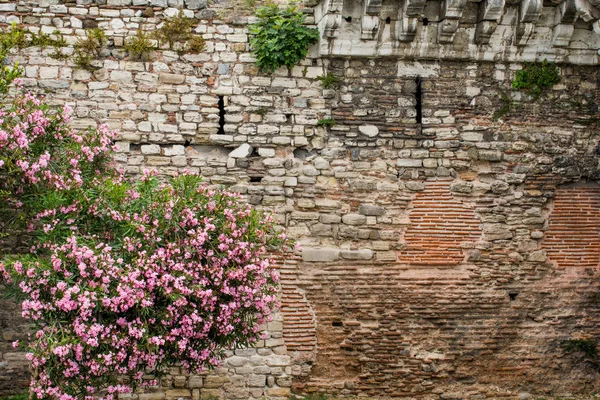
(446, 253)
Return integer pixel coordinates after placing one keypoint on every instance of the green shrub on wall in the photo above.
(537, 77)
(280, 38)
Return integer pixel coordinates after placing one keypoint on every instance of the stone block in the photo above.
(178, 394)
(150, 149)
(409, 162)
(196, 4)
(195, 382)
(354, 219)
(236, 361)
(368, 130)
(369, 209)
(257, 380)
(213, 381)
(243, 151)
(173, 79)
(364, 254)
(320, 255)
(175, 150)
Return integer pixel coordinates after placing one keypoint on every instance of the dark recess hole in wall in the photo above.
(135, 147)
(187, 143)
(221, 105)
(337, 323)
(255, 179)
(348, 19)
(425, 21)
(303, 154)
(419, 99)
(388, 20)
(513, 295)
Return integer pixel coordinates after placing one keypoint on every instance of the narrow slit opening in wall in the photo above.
(221, 105)
(388, 20)
(425, 21)
(337, 323)
(419, 100)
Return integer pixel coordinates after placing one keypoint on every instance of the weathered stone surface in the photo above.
(369, 209)
(369, 130)
(320, 255)
(243, 151)
(357, 254)
(354, 219)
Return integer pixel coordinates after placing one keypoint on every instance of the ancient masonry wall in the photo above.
(449, 257)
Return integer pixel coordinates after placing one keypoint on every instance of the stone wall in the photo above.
(448, 251)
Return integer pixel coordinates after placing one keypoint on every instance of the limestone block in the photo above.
(318, 255)
(278, 361)
(364, 254)
(255, 380)
(243, 151)
(177, 394)
(212, 381)
(196, 4)
(408, 162)
(121, 76)
(369, 130)
(176, 150)
(150, 149)
(236, 361)
(354, 219)
(369, 209)
(195, 381)
(8, 7)
(173, 79)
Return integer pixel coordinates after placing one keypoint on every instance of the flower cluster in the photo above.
(125, 278)
(41, 153)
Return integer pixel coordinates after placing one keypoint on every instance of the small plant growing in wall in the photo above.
(177, 32)
(329, 81)
(536, 77)
(140, 46)
(585, 346)
(89, 48)
(280, 38)
(20, 37)
(326, 122)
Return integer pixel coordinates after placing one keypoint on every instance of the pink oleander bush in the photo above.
(124, 279)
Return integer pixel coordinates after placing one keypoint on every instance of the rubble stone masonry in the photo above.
(450, 225)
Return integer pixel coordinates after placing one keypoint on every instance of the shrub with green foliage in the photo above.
(329, 81)
(88, 49)
(586, 346)
(536, 77)
(8, 73)
(20, 396)
(140, 46)
(124, 278)
(177, 32)
(327, 122)
(280, 38)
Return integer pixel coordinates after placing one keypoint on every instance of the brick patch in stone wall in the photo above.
(440, 224)
(573, 237)
(299, 332)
